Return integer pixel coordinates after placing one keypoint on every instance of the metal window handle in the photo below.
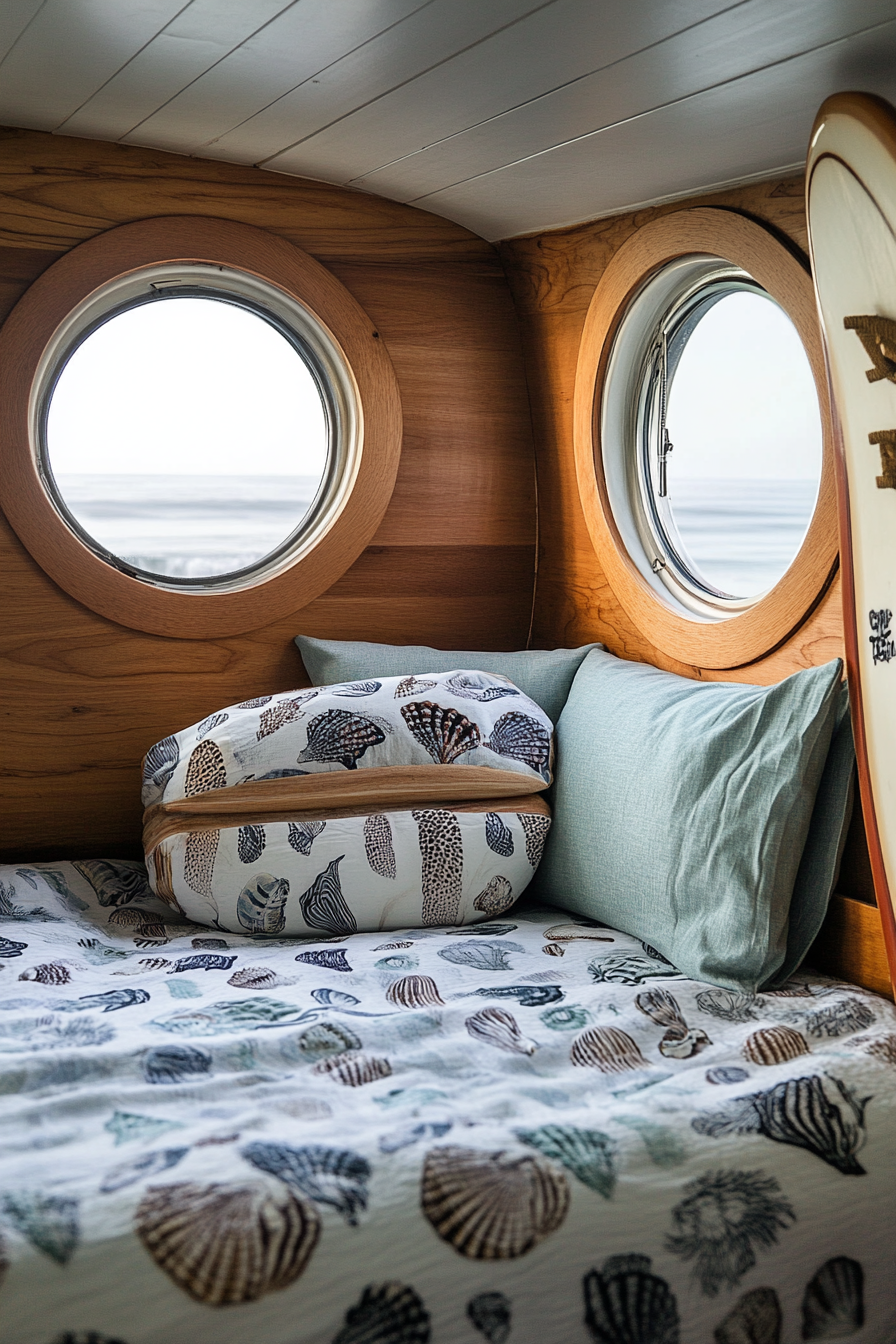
(664, 445)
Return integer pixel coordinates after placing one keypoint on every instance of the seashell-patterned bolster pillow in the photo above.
(262, 791)
(325, 877)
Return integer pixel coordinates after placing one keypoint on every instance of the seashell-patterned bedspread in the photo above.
(531, 1131)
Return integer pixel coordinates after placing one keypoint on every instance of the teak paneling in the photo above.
(81, 698)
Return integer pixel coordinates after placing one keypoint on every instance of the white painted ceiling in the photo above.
(509, 116)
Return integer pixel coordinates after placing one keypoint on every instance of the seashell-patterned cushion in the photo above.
(327, 877)
(461, 734)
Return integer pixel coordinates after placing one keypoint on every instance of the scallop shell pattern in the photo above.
(159, 765)
(224, 1244)
(522, 738)
(588, 1153)
(535, 830)
(49, 973)
(775, 1045)
(445, 733)
(339, 735)
(496, 897)
(355, 1069)
(250, 843)
(755, 1319)
(323, 905)
(301, 835)
(490, 1314)
(728, 1004)
(199, 860)
(164, 876)
(442, 851)
(387, 1313)
(413, 686)
(325, 1039)
(834, 1301)
(495, 1026)
(609, 1049)
(415, 991)
(478, 686)
(625, 1302)
(554, 950)
(378, 845)
(210, 724)
(205, 769)
(498, 836)
(287, 711)
(334, 1176)
(492, 1206)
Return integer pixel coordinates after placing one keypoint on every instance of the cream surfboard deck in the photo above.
(851, 207)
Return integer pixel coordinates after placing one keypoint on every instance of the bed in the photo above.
(533, 1129)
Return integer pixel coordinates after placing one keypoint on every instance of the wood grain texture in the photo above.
(452, 564)
(850, 946)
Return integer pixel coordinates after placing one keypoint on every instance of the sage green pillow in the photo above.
(682, 808)
(545, 675)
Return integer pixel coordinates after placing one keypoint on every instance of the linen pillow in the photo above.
(545, 675)
(464, 733)
(681, 810)
(325, 877)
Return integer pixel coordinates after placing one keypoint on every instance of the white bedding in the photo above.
(532, 1132)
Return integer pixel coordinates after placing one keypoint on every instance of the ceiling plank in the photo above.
(747, 127)
(723, 48)
(15, 16)
(197, 39)
(69, 50)
(305, 39)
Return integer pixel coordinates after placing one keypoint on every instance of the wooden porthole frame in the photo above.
(181, 613)
(741, 638)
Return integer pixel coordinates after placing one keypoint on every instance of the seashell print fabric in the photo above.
(434, 1136)
(452, 718)
(428, 866)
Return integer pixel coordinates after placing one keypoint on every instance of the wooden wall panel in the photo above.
(81, 698)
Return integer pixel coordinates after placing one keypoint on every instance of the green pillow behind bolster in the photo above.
(545, 675)
(682, 808)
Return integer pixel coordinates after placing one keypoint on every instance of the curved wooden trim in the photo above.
(99, 586)
(879, 118)
(160, 826)
(749, 635)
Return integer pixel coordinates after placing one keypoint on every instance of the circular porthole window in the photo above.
(711, 436)
(195, 427)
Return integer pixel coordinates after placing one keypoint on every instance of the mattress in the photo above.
(533, 1131)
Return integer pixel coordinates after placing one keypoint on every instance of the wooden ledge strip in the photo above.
(160, 823)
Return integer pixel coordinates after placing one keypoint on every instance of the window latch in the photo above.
(664, 444)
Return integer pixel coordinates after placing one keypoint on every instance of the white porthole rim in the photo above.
(654, 546)
(314, 343)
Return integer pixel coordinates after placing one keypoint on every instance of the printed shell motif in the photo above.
(323, 905)
(754, 1319)
(495, 1026)
(724, 1218)
(301, 835)
(354, 1069)
(387, 1313)
(413, 686)
(522, 738)
(498, 836)
(490, 1315)
(492, 1206)
(535, 829)
(287, 711)
(334, 1176)
(442, 851)
(250, 843)
(415, 991)
(775, 1045)
(478, 686)
(625, 1303)
(159, 764)
(199, 861)
(588, 1153)
(338, 735)
(210, 724)
(205, 769)
(680, 1041)
(332, 959)
(226, 1244)
(445, 733)
(495, 898)
(609, 1049)
(833, 1303)
(378, 845)
(260, 904)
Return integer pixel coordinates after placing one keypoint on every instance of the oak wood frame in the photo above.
(63, 556)
(747, 636)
